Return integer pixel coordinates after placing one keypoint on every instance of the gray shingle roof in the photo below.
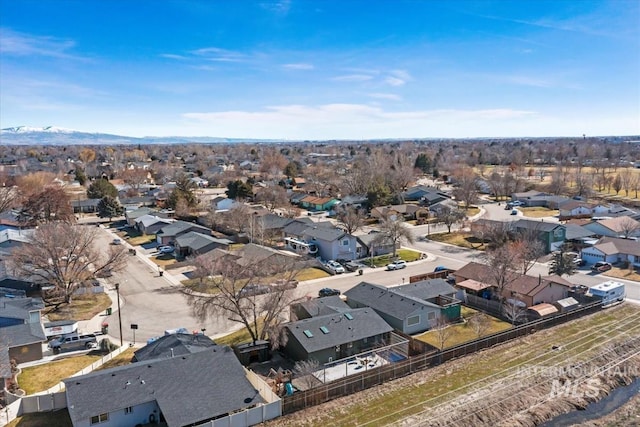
(425, 289)
(537, 225)
(19, 308)
(23, 334)
(196, 241)
(575, 231)
(179, 227)
(179, 343)
(385, 300)
(365, 323)
(323, 233)
(324, 306)
(189, 389)
(298, 226)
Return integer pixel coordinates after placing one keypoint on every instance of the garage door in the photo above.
(591, 257)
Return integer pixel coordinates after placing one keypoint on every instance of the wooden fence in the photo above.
(376, 376)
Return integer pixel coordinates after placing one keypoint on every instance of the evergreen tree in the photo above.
(101, 188)
(80, 176)
(239, 190)
(108, 207)
(562, 263)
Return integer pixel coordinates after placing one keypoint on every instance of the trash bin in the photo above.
(360, 272)
(161, 273)
(105, 328)
(109, 311)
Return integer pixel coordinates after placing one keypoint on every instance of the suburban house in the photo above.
(170, 232)
(613, 249)
(318, 307)
(11, 239)
(479, 279)
(151, 224)
(194, 243)
(620, 226)
(536, 198)
(552, 235)
(314, 203)
(9, 284)
(334, 336)
(21, 329)
(187, 390)
(85, 206)
(406, 211)
(427, 196)
(411, 308)
(332, 243)
(577, 235)
(222, 203)
(373, 245)
(173, 345)
(132, 215)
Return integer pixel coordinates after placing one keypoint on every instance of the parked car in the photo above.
(116, 242)
(166, 249)
(353, 266)
(440, 268)
(253, 289)
(396, 265)
(601, 266)
(73, 342)
(517, 203)
(514, 212)
(327, 292)
(336, 267)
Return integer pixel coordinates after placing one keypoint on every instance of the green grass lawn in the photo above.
(310, 274)
(404, 254)
(58, 418)
(82, 307)
(42, 377)
(463, 332)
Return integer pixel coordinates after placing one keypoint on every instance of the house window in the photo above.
(413, 320)
(128, 410)
(96, 419)
(345, 242)
(431, 315)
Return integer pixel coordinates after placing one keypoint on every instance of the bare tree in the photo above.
(303, 370)
(514, 311)
(135, 178)
(466, 189)
(628, 227)
(272, 197)
(8, 198)
(350, 218)
(450, 216)
(442, 331)
(395, 231)
(480, 323)
(503, 268)
(64, 256)
(251, 290)
(50, 204)
(528, 249)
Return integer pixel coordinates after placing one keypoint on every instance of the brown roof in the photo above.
(577, 221)
(520, 283)
(618, 224)
(613, 245)
(543, 309)
(473, 285)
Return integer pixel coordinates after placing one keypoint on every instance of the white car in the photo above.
(397, 265)
(166, 249)
(116, 242)
(335, 266)
(517, 203)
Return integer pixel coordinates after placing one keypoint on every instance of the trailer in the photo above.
(610, 292)
(60, 327)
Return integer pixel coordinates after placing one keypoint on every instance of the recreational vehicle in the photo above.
(610, 292)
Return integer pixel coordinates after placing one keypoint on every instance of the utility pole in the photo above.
(119, 315)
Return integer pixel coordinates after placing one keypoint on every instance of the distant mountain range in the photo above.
(51, 135)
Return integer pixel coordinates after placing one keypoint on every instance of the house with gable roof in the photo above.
(332, 242)
(170, 232)
(21, 327)
(613, 250)
(151, 224)
(334, 336)
(620, 226)
(194, 243)
(410, 308)
(173, 345)
(192, 389)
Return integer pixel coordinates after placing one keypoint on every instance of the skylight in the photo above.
(348, 316)
(308, 333)
(324, 329)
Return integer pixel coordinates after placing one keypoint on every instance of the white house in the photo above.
(612, 249)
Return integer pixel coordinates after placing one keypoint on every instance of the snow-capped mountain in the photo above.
(53, 135)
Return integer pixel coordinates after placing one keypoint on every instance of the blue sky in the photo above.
(344, 69)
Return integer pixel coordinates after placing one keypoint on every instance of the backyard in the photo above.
(458, 238)
(382, 260)
(82, 307)
(464, 332)
(538, 212)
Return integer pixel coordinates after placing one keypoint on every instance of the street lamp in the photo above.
(119, 316)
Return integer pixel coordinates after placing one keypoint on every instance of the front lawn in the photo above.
(122, 359)
(623, 273)
(238, 337)
(382, 260)
(42, 377)
(141, 240)
(82, 307)
(310, 274)
(458, 238)
(463, 332)
(538, 212)
(164, 260)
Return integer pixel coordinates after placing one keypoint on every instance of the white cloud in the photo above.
(21, 44)
(219, 55)
(352, 78)
(299, 66)
(357, 121)
(394, 81)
